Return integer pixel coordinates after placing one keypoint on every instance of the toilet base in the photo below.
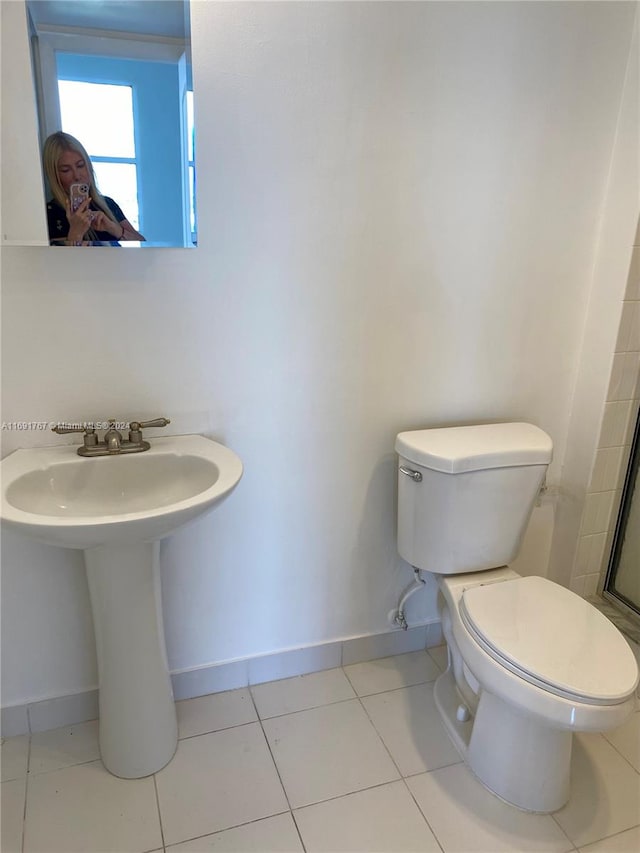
(523, 762)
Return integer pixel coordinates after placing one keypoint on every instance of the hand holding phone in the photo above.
(78, 194)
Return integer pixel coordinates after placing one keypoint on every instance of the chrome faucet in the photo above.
(112, 443)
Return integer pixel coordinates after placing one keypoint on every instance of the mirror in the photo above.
(116, 76)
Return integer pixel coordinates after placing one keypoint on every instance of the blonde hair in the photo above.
(54, 146)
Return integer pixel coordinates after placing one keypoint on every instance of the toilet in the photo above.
(529, 662)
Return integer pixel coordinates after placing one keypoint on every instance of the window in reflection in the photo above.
(191, 157)
(101, 115)
(121, 178)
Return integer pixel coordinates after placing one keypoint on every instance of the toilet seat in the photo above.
(551, 638)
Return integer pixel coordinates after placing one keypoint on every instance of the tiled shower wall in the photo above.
(614, 445)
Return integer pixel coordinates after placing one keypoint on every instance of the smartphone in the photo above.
(78, 193)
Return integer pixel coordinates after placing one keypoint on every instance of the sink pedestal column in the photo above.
(138, 724)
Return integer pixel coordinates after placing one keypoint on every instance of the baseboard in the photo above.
(200, 681)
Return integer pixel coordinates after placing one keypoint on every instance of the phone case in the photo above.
(77, 194)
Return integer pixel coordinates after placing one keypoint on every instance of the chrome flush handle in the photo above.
(415, 475)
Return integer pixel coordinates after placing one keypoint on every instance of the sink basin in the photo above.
(63, 499)
(117, 508)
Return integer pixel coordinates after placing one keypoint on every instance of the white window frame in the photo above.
(50, 40)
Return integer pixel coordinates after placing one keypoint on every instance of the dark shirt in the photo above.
(59, 224)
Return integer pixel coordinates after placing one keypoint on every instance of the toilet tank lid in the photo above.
(473, 448)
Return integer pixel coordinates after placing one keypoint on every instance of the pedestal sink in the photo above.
(116, 509)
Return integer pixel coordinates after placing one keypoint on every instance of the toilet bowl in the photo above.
(534, 663)
(529, 662)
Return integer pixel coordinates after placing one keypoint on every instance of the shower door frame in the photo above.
(632, 609)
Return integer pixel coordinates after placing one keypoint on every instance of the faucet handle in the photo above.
(90, 437)
(158, 422)
(61, 430)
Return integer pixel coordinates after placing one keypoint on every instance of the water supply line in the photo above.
(416, 584)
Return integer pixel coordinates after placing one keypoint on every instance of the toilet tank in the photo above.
(465, 494)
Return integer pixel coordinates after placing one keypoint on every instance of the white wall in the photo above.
(398, 208)
(604, 404)
(23, 222)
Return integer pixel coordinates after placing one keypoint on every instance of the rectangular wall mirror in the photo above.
(116, 76)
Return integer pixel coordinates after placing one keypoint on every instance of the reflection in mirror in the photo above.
(116, 120)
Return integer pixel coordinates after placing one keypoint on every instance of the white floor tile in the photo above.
(272, 835)
(377, 820)
(626, 739)
(302, 692)
(605, 792)
(625, 842)
(466, 818)
(376, 676)
(214, 712)
(84, 809)
(64, 747)
(12, 812)
(409, 724)
(327, 752)
(216, 781)
(222, 791)
(14, 755)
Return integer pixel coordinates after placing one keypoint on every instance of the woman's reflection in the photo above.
(97, 220)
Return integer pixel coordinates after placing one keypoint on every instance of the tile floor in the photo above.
(350, 759)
